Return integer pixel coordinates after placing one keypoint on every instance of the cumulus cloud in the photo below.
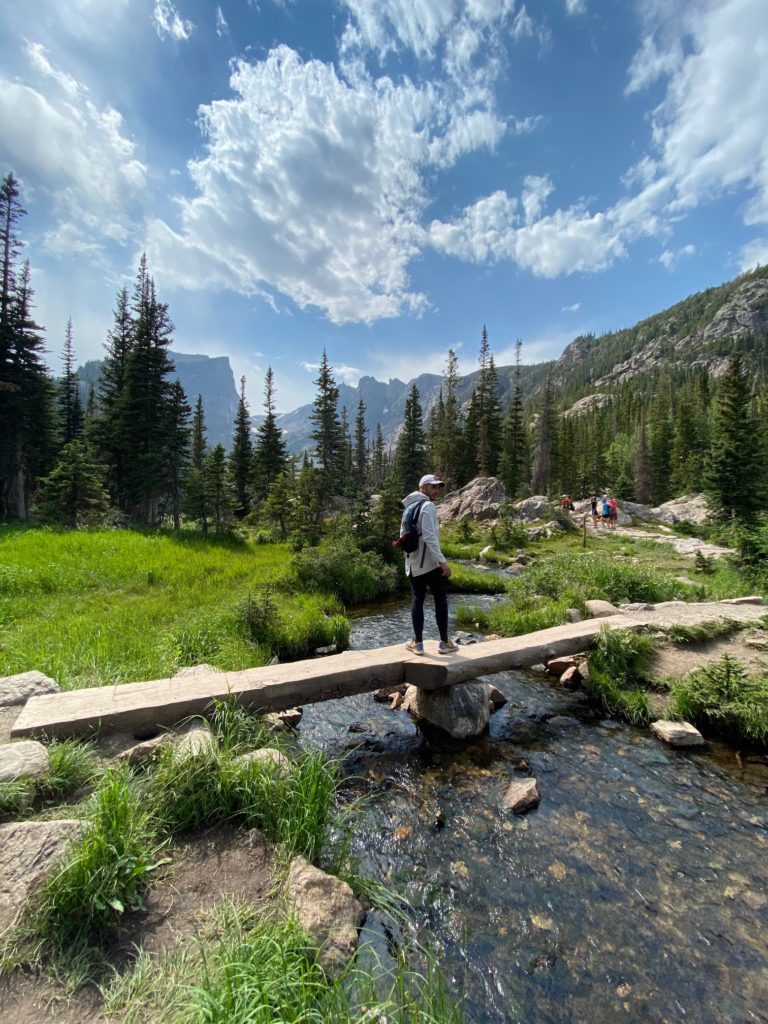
(670, 258)
(753, 253)
(169, 23)
(76, 151)
(575, 6)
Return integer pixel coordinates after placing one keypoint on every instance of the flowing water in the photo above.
(637, 891)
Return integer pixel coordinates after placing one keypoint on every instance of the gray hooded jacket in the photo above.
(428, 554)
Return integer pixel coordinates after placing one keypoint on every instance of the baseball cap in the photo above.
(430, 478)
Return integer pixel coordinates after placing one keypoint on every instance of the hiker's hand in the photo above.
(445, 569)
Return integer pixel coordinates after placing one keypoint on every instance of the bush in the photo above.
(352, 575)
(725, 698)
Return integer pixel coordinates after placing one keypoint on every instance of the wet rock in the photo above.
(193, 671)
(572, 678)
(17, 689)
(498, 700)
(29, 851)
(573, 615)
(279, 721)
(323, 652)
(266, 756)
(522, 796)
(461, 711)
(523, 767)
(147, 750)
(564, 720)
(677, 734)
(195, 739)
(556, 666)
(327, 910)
(386, 693)
(600, 609)
(25, 759)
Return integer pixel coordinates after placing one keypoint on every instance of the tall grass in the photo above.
(251, 969)
(619, 661)
(74, 766)
(723, 696)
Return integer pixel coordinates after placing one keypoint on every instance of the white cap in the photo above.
(430, 478)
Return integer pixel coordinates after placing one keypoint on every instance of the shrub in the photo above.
(620, 659)
(723, 696)
(352, 575)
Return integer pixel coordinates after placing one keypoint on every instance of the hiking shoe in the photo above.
(447, 647)
(415, 647)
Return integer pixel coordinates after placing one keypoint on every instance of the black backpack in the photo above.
(408, 541)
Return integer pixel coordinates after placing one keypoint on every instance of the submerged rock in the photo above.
(522, 796)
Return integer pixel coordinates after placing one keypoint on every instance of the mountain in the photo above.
(700, 331)
(385, 403)
(209, 376)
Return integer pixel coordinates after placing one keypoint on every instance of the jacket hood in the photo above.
(414, 496)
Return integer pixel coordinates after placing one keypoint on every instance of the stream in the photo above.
(637, 891)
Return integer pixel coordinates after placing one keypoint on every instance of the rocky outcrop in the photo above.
(480, 499)
(691, 508)
(326, 908)
(16, 690)
(587, 404)
(29, 851)
(461, 711)
(536, 507)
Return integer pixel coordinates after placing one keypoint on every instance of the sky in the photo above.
(381, 178)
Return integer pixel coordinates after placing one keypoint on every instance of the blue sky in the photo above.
(380, 178)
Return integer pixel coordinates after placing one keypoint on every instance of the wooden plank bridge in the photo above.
(134, 707)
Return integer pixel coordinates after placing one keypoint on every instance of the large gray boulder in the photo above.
(462, 710)
(480, 499)
(326, 908)
(538, 506)
(29, 852)
(25, 759)
(15, 690)
(691, 508)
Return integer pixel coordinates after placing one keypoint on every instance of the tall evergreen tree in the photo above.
(378, 461)
(360, 448)
(488, 444)
(220, 498)
(735, 471)
(241, 456)
(643, 468)
(410, 454)
(515, 457)
(327, 430)
(545, 443)
(177, 449)
(270, 456)
(70, 406)
(195, 503)
(108, 427)
(446, 446)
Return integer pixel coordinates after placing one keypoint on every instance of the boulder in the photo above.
(600, 609)
(386, 693)
(536, 507)
(29, 851)
(24, 759)
(267, 756)
(326, 908)
(637, 510)
(691, 508)
(480, 499)
(573, 615)
(522, 795)
(15, 690)
(461, 711)
(324, 652)
(677, 734)
(195, 739)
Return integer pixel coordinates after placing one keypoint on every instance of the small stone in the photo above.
(25, 759)
(573, 615)
(145, 751)
(18, 689)
(571, 678)
(323, 652)
(522, 796)
(498, 700)
(327, 910)
(522, 766)
(600, 609)
(278, 721)
(677, 734)
(556, 666)
(195, 739)
(268, 756)
(493, 636)
(637, 606)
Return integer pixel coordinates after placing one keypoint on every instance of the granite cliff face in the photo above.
(209, 376)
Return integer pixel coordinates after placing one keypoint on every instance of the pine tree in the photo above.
(449, 446)
(73, 493)
(270, 457)
(195, 503)
(327, 430)
(108, 427)
(360, 448)
(378, 461)
(735, 472)
(218, 489)
(410, 454)
(70, 406)
(241, 456)
(643, 469)
(177, 448)
(345, 484)
(278, 506)
(488, 411)
(515, 457)
(545, 443)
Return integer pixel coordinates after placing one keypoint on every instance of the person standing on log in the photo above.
(426, 567)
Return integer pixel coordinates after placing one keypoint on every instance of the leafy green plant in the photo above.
(351, 575)
(724, 697)
(619, 660)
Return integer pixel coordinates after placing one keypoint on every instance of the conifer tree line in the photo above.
(138, 451)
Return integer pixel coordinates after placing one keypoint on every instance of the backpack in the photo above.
(408, 541)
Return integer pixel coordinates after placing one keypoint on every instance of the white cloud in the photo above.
(670, 258)
(753, 253)
(168, 22)
(526, 125)
(575, 6)
(536, 191)
(573, 308)
(74, 150)
(649, 64)
(222, 28)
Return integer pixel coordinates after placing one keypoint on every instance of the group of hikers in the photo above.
(426, 565)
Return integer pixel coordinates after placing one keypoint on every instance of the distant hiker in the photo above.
(593, 509)
(426, 566)
(605, 511)
(613, 513)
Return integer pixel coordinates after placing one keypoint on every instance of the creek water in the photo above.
(637, 891)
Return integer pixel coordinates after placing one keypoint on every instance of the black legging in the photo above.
(437, 583)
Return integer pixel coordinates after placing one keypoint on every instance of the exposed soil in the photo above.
(204, 869)
(680, 659)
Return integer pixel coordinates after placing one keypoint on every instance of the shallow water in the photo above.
(637, 891)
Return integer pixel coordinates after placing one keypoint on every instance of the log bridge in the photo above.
(144, 707)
